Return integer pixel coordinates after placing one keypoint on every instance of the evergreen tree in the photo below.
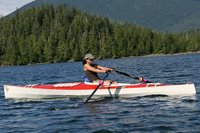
(58, 33)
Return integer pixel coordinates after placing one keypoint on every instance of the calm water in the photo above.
(138, 114)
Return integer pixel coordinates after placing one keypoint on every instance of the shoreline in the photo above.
(152, 55)
(71, 61)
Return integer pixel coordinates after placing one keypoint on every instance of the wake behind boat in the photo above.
(80, 89)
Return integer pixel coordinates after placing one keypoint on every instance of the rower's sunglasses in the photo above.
(90, 59)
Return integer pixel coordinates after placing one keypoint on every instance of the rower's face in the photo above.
(90, 61)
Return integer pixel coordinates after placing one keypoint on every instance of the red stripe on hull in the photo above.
(83, 86)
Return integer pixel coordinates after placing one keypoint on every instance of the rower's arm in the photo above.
(90, 68)
(104, 68)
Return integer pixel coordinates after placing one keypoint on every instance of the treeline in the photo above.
(59, 34)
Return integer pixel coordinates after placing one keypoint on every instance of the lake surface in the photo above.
(137, 114)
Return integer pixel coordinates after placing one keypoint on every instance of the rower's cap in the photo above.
(89, 56)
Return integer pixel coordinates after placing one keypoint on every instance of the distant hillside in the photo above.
(58, 34)
(160, 15)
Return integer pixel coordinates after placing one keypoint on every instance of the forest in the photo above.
(159, 15)
(53, 34)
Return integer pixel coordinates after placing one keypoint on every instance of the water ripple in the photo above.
(154, 113)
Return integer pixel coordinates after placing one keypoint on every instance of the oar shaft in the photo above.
(100, 84)
(93, 93)
(128, 75)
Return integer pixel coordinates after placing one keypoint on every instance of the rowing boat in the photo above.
(80, 89)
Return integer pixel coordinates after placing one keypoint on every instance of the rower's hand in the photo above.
(108, 71)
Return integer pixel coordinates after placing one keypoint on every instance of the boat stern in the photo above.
(6, 91)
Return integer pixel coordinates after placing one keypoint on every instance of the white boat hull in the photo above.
(80, 89)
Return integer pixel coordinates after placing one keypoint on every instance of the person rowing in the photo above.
(91, 70)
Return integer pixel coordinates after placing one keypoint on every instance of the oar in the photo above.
(100, 83)
(128, 75)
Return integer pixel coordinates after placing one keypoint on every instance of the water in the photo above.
(138, 114)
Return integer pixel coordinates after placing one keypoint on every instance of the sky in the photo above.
(8, 6)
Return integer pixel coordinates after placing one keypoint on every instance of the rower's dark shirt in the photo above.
(92, 75)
